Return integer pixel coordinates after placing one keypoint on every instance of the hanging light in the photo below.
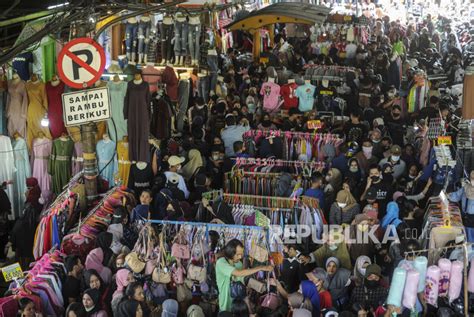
(45, 121)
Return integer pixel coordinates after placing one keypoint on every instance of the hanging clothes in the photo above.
(21, 173)
(16, 110)
(123, 160)
(107, 163)
(162, 114)
(55, 109)
(8, 166)
(137, 111)
(41, 152)
(37, 108)
(60, 163)
(117, 128)
(77, 158)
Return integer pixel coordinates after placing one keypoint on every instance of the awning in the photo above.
(283, 12)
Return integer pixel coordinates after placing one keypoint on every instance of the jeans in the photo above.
(183, 100)
(203, 88)
(214, 68)
(144, 29)
(166, 31)
(131, 31)
(193, 40)
(123, 61)
(104, 41)
(180, 38)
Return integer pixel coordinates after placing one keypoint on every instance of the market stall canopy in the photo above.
(283, 12)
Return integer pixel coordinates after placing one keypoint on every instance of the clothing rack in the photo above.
(239, 161)
(277, 133)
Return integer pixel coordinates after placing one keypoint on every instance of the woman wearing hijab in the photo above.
(360, 228)
(191, 168)
(123, 278)
(392, 217)
(22, 235)
(91, 304)
(130, 308)
(333, 185)
(104, 241)
(310, 291)
(33, 194)
(359, 269)
(339, 280)
(95, 260)
(320, 278)
(170, 308)
(92, 280)
(344, 209)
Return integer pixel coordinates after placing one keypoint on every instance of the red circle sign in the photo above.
(81, 63)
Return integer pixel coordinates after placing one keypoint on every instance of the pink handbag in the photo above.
(180, 247)
(178, 275)
(270, 300)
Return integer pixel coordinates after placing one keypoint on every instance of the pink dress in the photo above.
(271, 96)
(77, 159)
(40, 157)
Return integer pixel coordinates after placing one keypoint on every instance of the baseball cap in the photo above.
(175, 160)
(396, 150)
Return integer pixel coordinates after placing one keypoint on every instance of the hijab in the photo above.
(121, 281)
(170, 308)
(128, 308)
(301, 312)
(359, 270)
(392, 216)
(87, 278)
(310, 291)
(336, 179)
(104, 241)
(194, 163)
(337, 281)
(95, 296)
(94, 261)
(345, 196)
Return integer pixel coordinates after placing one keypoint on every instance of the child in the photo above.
(315, 191)
(141, 211)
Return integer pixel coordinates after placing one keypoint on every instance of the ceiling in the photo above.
(24, 7)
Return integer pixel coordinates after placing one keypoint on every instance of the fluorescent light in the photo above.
(58, 5)
(45, 121)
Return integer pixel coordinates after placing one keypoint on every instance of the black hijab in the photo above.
(95, 296)
(128, 308)
(104, 240)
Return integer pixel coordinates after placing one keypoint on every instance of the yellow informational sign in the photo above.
(445, 140)
(264, 60)
(12, 272)
(314, 124)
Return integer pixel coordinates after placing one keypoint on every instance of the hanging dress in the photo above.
(37, 108)
(17, 105)
(7, 166)
(60, 163)
(124, 163)
(55, 109)
(41, 152)
(77, 158)
(22, 172)
(117, 91)
(105, 158)
(3, 104)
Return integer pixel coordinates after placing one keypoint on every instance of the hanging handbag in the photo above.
(237, 290)
(180, 247)
(134, 263)
(198, 273)
(183, 293)
(270, 300)
(258, 253)
(161, 274)
(256, 285)
(178, 274)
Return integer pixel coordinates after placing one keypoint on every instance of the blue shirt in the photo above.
(305, 93)
(230, 135)
(21, 64)
(318, 194)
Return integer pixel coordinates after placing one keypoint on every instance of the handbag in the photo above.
(178, 274)
(183, 293)
(237, 290)
(134, 263)
(256, 285)
(270, 300)
(196, 272)
(161, 274)
(180, 247)
(258, 253)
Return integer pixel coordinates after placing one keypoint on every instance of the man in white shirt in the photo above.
(174, 163)
(232, 133)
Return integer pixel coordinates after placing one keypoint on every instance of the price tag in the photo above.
(347, 18)
(445, 140)
(264, 60)
(314, 124)
(12, 272)
(326, 92)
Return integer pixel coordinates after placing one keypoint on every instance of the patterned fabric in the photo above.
(436, 128)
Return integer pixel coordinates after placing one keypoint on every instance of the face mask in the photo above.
(395, 158)
(341, 205)
(371, 284)
(375, 178)
(362, 271)
(353, 169)
(89, 309)
(375, 141)
(333, 247)
(247, 81)
(215, 157)
(328, 178)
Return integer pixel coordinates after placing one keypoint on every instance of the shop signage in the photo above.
(12, 271)
(445, 140)
(81, 63)
(84, 106)
(314, 124)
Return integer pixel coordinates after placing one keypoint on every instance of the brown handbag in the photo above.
(196, 272)
(256, 285)
(161, 274)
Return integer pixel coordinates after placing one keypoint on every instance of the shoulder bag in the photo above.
(161, 274)
(180, 247)
(196, 272)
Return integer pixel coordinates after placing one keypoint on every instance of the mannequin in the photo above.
(137, 111)
(270, 92)
(181, 28)
(37, 108)
(54, 91)
(7, 167)
(167, 34)
(141, 176)
(105, 153)
(60, 162)
(144, 27)
(183, 100)
(17, 105)
(23, 171)
(117, 90)
(131, 39)
(194, 34)
(114, 68)
(203, 85)
(124, 163)
(40, 155)
(305, 93)
(288, 93)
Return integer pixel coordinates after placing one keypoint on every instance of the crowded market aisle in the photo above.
(313, 169)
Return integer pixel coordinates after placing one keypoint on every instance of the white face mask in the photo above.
(367, 150)
(375, 141)
(342, 205)
(333, 247)
(395, 158)
(247, 81)
(362, 271)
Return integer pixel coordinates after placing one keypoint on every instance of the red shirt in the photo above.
(288, 93)
(325, 300)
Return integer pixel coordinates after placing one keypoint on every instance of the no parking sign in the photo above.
(81, 63)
